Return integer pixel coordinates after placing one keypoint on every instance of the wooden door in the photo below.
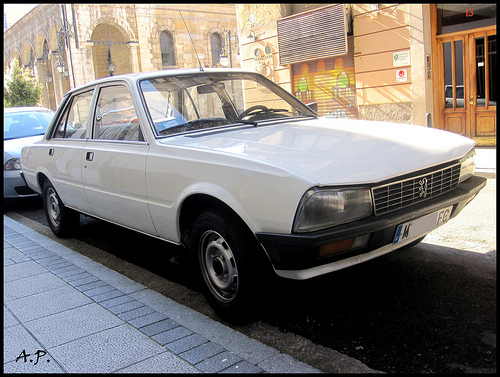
(483, 86)
(465, 84)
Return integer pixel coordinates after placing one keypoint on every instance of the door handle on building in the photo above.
(471, 97)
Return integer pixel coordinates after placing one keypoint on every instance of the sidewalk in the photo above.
(64, 313)
(486, 162)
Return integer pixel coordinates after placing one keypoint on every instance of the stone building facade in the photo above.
(85, 40)
(405, 63)
(427, 64)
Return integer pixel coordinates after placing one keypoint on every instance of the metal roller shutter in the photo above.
(317, 34)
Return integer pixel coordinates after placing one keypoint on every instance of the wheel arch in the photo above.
(40, 179)
(195, 204)
(198, 203)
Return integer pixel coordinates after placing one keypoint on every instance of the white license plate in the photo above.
(422, 225)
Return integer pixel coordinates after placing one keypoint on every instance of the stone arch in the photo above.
(120, 23)
(41, 38)
(27, 53)
(110, 45)
(52, 39)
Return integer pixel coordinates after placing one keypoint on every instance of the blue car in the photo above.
(22, 126)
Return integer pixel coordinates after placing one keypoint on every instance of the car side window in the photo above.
(73, 122)
(115, 117)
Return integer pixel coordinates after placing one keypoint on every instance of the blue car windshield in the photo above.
(25, 123)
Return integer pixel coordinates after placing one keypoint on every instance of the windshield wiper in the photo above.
(251, 122)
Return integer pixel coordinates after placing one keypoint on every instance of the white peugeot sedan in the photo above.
(245, 176)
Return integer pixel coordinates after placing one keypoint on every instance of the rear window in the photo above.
(25, 124)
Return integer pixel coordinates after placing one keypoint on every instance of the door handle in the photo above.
(51, 151)
(89, 156)
(471, 97)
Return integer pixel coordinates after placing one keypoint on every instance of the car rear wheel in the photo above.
(227, 255)
(62, 220)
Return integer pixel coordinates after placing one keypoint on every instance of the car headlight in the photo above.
(321, 208)
(468, 166)
(12, 164)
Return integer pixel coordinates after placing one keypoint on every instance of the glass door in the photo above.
(468, 92)
(483, 80)
(455, 91)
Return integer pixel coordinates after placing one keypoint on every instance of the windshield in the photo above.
(25, 123)
(208, 100)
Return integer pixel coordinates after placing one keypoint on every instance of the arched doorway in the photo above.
(111, 55)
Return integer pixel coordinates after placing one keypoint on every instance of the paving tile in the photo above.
(218, 363)
(47, 303)
(14, 255)
(72, 324)
(22, 270)
(123, 299)
(242, 367)
(89, 286)
(136, 314)
(46, 365)
(96, 291)
(158, 327)
(64, 268)
(106, 351)
(70, 271)
(9, 319)
(82, 278)
(52, 261)
(125, 307)
(200, 353)
(15, 340)
(30, 285)
(164, 363)
(107, 295)
(283, 363)
(176, 338)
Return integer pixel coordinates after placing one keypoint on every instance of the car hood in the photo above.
(331, 151)
(13, 147)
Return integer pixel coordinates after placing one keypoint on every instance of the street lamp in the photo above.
(111, 65)
(61, 68)
(224, 59)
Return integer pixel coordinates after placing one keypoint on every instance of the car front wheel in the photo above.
(226, 255)
(62, 220)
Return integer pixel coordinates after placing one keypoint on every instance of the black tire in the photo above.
(63, 221)
(230, 262)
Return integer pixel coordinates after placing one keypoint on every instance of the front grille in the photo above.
(395, 195)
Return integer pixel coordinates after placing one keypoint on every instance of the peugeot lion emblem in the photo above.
(422, 190)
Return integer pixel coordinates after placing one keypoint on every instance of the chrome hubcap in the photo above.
(53, 208)
(219, 266)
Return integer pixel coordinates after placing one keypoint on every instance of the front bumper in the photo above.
(296, 256)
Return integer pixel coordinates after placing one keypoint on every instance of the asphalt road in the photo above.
(428, 309)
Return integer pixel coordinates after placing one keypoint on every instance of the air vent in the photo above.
(317, 34)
